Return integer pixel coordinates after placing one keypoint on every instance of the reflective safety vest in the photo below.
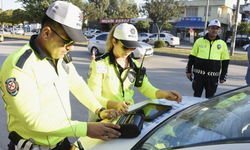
(209, 58)
(105, 83)
(36, 93)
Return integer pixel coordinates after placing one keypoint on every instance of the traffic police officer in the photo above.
(35, 81)
(112, 76)
(209, 59)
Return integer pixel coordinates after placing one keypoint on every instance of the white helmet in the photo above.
(214, 23)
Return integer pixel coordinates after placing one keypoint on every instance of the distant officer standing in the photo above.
(209, 60)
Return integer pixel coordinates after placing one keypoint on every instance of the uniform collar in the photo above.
(113, 61)
(40, 54)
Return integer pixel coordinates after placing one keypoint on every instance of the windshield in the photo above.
(221, 118)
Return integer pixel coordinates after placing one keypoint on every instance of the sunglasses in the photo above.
(127, 48)
(66, 42)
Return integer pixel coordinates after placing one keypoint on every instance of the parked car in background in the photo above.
(244, 41)
(169, 39)
(35, 30)
(220, 123)
(229, 40)
(7, 29)
(17, 31)
(245, 47)
(92, 33)
(1, 36)
(98, 44)
(143, 37)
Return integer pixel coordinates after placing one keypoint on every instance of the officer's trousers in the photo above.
(210, 85)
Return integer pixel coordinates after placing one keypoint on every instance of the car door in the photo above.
(100, 42)
(152, 39)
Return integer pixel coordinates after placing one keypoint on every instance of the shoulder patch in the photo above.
(102, 57)
(12, 86)
(23, 58)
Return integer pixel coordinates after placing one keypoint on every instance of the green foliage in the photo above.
(122, 9)
(243, 27)
(95, 9)
(84, 25)
(142, 25)
(37, 8)
(95, 26)
(110, 26)
(161, 11)
(159, 43)
(167, 26)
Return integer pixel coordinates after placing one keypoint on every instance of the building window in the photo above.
(205, 10)
(219, 12)
(192, 12)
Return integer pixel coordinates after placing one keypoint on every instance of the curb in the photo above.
(234, 62)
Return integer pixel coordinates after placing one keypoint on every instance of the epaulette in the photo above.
(23, 58)
(102, 57)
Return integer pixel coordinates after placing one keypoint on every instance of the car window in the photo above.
(219, 119)
(153, 36)
(102, 37)
(162, 35)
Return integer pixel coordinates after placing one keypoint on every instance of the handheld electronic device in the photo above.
(67, 58)
(140, 73)
(131, 124)
(151, 111)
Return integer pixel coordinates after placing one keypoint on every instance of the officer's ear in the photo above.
(45, 33)
(114, 41)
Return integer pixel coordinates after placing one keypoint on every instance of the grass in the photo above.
(171, 50)
(181, 51)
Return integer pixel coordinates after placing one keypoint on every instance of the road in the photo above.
(167, 73)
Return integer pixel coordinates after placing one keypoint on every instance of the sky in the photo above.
(10, 4)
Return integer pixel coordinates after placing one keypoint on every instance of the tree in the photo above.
(5, 17)
(242, 28)
(161, 11)
(142, 25)
(20, 16)
(95, 9)
(122, 9)
(37, 8)
(167, 26)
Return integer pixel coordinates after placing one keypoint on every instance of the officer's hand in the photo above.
(98, 129)
(109, 113)
(122, 107)
(189, 76)
(222, 81)
(173, 96)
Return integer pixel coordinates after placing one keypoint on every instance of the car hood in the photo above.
(125, 144)
(143, 44)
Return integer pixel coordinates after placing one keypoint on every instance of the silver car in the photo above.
(98, 44)
(220, 123)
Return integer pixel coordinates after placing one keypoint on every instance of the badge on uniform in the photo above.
(101, 69)
(12, 86)
(219, 46)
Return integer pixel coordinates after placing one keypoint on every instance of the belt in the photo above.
(204, 73)
(22, 144)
